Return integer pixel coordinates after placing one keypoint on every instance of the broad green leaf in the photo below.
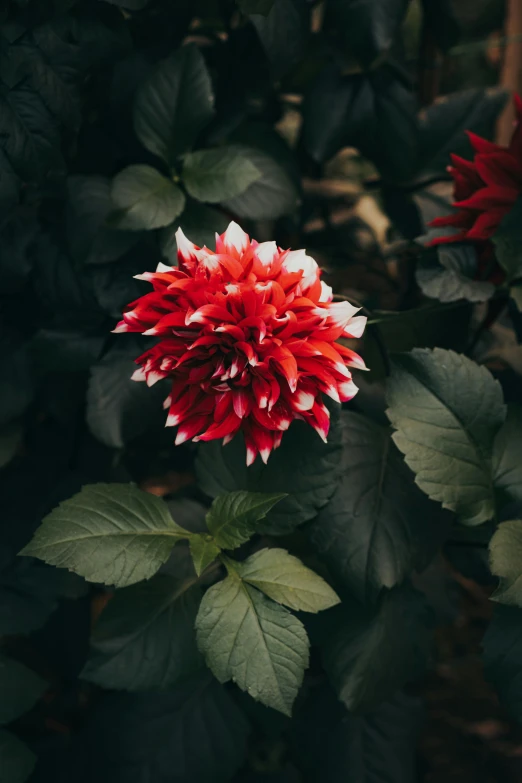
(110, 533)
(505, 551)
(508, 242)
(303, 467)
(507, 461)
(204, 551)
(144, 639)
(447, 410)
(502, 656)
(253, 641)
(233, 517)
(218, 174)
(174, 104)
(283, 33)
(20, 688)
(144, 199)
(370, 654)
(199, 223)
(379, 527)
(285, 579)
(17, 761)
(448, 275)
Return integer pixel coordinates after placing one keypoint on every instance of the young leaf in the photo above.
(174, 104)
(507, 463)
(378, 527)
(233, 517)
(502, 654)
(285, 579)
(448, 275)
(447, 410)
(505, 550)
(144, 199)
(370, 654)
(17, 761)
(20, 688)
(144, 639)
(253, 641)
(218, 174)
(110, 533)
(204, 551)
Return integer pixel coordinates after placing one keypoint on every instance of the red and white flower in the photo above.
(247, 333)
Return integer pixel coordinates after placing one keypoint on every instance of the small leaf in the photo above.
(145, 199)
(17, 761)
(507, 463)
(505, 550)
(218, 174)
(204, 551)
(174, 104)
(253, 641)
(233, 517)
(447, 410)
(502, 654)
(144, 639)
(448, 275)
(20, 688)
(508, 242)
(110, 533)
(285, 579)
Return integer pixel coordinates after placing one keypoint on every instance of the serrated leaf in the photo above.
(233, 517)
(20, 688)
(505, 552)
(253, 641)
(199, 223)
(447, 411)
(372, 653)
(378, 527)
(144, 199)
(285, 579)
(449, 275)
(303, 467)
(110, 533)
(144, 639)
(218, 174)
(507, 463)
(502, 656)
(507, 240)
(204, 551)
(17, 761)
(174, 104)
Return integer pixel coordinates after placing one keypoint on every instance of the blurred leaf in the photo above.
(20, 688)
(218, 174)
(507, 464)
(507, 240)
(17, 761)
(130, 5)
(174, 104)
(502, 655)
(145, 639)
(255, 6)
(233, 517)
(283, 32)
(449, 275)
(379, 527)
(447, 410)
(144, 199)
(199, 223)
(11, 436)
(17, 387)
(441, 20)
(505, 550)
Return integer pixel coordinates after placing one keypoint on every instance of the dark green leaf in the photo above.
(17, 761)
(303, 467)
(255, 6)
(283, 32)
(144, 199)
(447, 411)
(17, 387)
(218, 174)
(285, 579)
(11, 436)
(443, 126)
(325, 113)
(110, 533)
(130, 5)
(174, 104)
(379, 527)
(233, 517)
(449, 275)
(442, 20)
(502, 646)
(253, 641)
(370, 654)
(369, 27)
(145, 639)
(199, 223)
(20, 688)
(508, 239)
(272, 195)
(507, 464)
(505, 550)
(203, 550)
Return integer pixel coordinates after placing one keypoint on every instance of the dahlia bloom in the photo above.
(485, 188)
(247, 334)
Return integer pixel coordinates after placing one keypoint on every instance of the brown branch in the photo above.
(511, 77)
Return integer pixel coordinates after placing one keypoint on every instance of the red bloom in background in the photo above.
(247, 335)
(486, 188)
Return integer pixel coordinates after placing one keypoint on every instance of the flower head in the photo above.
(247, 334)
(485, 188)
